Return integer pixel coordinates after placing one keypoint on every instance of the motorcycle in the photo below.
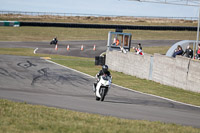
(102, 87)
(53, 42)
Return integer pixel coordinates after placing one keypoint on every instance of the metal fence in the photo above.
(53, 14)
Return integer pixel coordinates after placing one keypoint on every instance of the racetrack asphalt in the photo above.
(75, 46)
(37, 81)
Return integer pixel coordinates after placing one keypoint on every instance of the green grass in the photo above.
(47, 33)
(24, 118)
(156, 49)
(86, 65)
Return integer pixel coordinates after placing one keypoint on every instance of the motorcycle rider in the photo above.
(103, 71)
(54, 41)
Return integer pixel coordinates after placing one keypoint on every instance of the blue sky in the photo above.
(104, 7)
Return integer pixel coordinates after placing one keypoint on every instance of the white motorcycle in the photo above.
(102, 87)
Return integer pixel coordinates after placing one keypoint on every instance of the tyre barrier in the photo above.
(99, 60)
(105, 26)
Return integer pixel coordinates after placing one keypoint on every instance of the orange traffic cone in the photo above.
(56, 47)
(67, 47)
(94, 48)
(81, 47)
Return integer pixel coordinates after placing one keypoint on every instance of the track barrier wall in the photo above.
(108, 26)
(180, 72)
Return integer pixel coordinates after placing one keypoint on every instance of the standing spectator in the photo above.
(115, 41)
(188, 52)
(138, 49)
(178, 51)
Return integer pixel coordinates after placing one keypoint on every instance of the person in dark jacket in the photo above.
(54, 41)
(188, 52)
(178, 51)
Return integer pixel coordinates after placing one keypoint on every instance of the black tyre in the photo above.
(103, 94)
(97, 98)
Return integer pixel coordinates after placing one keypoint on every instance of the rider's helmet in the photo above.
(105, 68)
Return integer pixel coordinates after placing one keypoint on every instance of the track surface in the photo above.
(75, 46)
(37, 81)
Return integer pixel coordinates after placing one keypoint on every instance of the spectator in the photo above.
(138, 49)
(198, 53)
(178, 51)
(188, 52)
(115, 41)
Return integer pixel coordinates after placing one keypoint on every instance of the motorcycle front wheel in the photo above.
(97, 98)
(103, 94)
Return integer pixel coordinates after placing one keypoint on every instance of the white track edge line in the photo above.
(127, 88)
(35, 50)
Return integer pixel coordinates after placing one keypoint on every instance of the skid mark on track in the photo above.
(26, 64)
(6, 73)
(46, 75)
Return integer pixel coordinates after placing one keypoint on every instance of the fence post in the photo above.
(151, 68)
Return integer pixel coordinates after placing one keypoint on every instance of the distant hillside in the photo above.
(100, 20)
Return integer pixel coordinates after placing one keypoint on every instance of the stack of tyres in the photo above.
(99, 60)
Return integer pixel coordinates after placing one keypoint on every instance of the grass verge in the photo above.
(47, 33)
(21, 117)
(86, 65)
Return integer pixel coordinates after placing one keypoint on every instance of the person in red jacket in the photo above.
(198, 53)
(115, 41)
(138, 49)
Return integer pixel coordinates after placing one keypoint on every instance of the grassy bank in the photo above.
(86, 65)
(47, 33)
(99, 20)
(24, 118)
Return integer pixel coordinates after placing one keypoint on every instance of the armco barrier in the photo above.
(180, 72)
